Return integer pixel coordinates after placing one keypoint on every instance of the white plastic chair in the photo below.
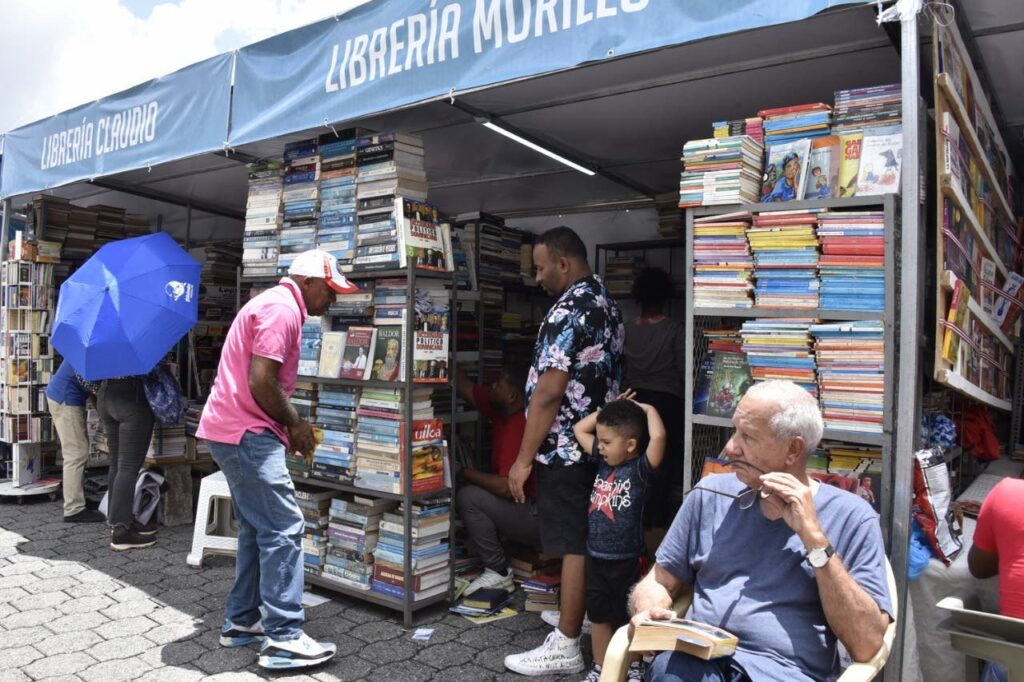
(215, 530)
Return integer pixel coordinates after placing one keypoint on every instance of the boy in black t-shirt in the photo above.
(615, 436)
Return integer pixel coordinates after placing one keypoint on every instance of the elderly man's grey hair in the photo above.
(798, 413)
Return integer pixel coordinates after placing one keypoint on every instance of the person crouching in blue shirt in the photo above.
(615, 436)
(65, 398)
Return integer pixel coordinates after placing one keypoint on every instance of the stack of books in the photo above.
(722, 263)
(723, 170)
(619, 273)
(309, 346)
(167, 443)
(670, 223)
(301, 201)
(512, 254)
(851, 364)
(315, 507)
(380, 440)
(743, 126)
(304, 400)
(780, 349)
(357, 307)
(852, 262)
(542, 593)
(263, 219)
(390, 299)
(464, 258)
(334, 457)
(352, 534)
(785, 249)
(336, 225)
(389, 167)
(786, 124)
(431, 558)
(867, 109)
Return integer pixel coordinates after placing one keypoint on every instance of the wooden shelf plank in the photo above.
(949, 281)
(956, 106)
(815, 313)
(830, 434)
(955, 381)
(953, 193)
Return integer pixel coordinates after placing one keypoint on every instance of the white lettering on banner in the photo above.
(431, 37)
(123, 130)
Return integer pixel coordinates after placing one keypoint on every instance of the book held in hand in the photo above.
(697, 639)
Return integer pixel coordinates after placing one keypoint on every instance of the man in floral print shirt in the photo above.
(577, 368)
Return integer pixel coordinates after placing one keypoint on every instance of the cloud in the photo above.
(57, 54)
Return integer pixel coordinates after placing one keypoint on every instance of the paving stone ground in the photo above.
(71, 609)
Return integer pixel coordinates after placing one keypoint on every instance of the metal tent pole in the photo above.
(5, 228)
(908, 386)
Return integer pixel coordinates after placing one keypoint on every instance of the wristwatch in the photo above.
(819, 556)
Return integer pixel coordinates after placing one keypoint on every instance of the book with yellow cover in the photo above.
(697, 639)
(849, 163)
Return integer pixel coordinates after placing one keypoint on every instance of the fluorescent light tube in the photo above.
(537, 148)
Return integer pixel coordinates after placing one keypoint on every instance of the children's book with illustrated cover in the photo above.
(823, 168)
(849, 163)
(785, 171)
(880, 159)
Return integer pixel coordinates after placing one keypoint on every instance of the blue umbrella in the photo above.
(121, 312)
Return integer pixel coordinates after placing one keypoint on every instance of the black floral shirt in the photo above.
(582, 335)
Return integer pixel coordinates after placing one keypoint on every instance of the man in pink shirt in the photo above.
(249, 423)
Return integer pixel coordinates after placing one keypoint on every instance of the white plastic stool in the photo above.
(212, 533)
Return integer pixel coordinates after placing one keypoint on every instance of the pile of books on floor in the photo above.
(352, 533)
(867, 109)
(334, 457)
(851, 365)
(722, 263)
(744, 126)
(263, 219)
(723, 170)
(315, 507)
(786, 124)
(542, 592)
(780, 349)
(430, 555)
(619, 273)
(301, 200)
(336, 225)
(785, 249)
(852, 262)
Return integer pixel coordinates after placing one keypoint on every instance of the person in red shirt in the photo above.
(483, 501)
(998, 549)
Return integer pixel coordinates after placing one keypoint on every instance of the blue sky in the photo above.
(57, 54)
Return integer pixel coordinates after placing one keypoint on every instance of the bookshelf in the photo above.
(406, 605)
(25, 319)
(659, 253)
(713, 430)
(977, 241)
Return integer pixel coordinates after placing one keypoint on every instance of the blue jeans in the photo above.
(675, 666)
(268, 566)
(994, 672)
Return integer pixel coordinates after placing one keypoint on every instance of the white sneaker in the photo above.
(494, 579)
(232, 635)
(295, 653)
(558, 654)
(594, 675)
(551, 618)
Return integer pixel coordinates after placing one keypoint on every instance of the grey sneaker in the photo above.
(295, 653)
(594, 675)
(636, 672)
(232, 635)
(493, 579)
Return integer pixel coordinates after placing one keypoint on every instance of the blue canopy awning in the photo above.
(385, 55)
(176, 116)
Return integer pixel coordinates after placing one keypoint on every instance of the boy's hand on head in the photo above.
(628, 394)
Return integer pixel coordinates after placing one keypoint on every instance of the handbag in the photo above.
(164, 396)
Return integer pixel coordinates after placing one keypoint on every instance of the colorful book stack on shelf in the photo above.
(723, 170)
(852, 262)
(722, 263)
(352, 532)
(263, 219)
(300, 200)
(780, 349)
(785, 249)
(431, 557)
(850, 359)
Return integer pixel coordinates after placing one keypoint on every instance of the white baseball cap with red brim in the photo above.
(317, 263)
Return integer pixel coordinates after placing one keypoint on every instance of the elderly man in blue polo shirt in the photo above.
(66, 398)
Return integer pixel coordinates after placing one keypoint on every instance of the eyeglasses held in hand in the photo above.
(746, 498)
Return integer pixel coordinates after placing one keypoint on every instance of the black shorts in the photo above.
(563, 497)
(608, 584)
